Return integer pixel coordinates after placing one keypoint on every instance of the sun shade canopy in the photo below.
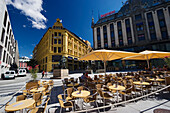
(107, 55)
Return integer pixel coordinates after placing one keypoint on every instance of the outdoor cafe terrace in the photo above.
(111, 92)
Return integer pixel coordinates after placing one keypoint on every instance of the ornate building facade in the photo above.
(138, 25)
(58, 46)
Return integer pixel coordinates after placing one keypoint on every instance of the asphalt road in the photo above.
(13, 85)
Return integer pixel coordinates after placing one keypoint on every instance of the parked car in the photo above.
(9, 74)
(22, 72)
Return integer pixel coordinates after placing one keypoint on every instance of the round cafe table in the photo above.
(158, 80)
(20, 105)
(73, 85)
(81, 95)
(118, 88)
(40, 89)
(141, 83)
(129, 77)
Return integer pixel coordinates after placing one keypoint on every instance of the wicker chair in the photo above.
(105, 95)
(20, 97)
(39, 109)
(64, 103)
(92, 98)
(38, 98)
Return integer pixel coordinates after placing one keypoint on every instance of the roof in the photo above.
(75, 36)
(127, 6)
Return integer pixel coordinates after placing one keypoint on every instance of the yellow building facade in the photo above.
(57, 44)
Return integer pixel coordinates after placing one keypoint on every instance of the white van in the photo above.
(9, 74)
(22, 72)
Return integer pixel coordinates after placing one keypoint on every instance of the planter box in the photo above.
(58, 73)
(89, 71)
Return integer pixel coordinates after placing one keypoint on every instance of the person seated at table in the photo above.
(85, 76)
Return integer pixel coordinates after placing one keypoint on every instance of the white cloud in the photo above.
(32, 9)
(31, 55)
(33, 45)
(24, 25)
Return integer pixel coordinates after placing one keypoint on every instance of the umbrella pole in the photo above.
(148, 62)
(104, 67)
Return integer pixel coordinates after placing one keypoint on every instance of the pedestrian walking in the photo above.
(42, 74)
(45, 74)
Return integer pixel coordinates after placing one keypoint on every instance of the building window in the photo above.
(153, 36)
(46, 60)
(121, 42)
(149, 16)
(105, 36)
(55, 34)
(6, 41)
(59, 41)
(55, 41)
(112, 35)
(162, 23)
(59, 49)
(3, 35)
(120, 36)
(119, 24)
(111, 27)
(160, 13)
(8, 27)
(129, 40)
(7, 59)
(169, 10)
(138, 17)
(59, 34)
(4, 56)
(113, 43)
(56, 58)
(5, 18)
(0, 52)
(141, 37)
(164, 34)
(55, 49)
(98, 38)
(139, 26)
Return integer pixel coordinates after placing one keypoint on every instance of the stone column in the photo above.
(65, 43)
(147, 26)
(124, 32)
(167, 20)
(73, 46)
(108, 36)
(116, 34)
(95, 38)
(132, 32)
(156, 24)
(101, 37)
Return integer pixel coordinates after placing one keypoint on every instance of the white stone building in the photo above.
(8, 45)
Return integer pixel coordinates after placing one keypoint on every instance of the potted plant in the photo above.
(33, 72)
(167, 60)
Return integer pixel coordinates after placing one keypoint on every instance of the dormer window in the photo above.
(57, 27)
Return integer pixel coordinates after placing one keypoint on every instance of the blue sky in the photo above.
(30, 19)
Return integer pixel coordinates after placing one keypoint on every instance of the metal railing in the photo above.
(123, 102)
(11, 96)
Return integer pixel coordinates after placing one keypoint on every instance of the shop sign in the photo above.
(109, 13)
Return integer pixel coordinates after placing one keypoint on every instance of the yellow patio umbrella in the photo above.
(106, 55)
(147, 55)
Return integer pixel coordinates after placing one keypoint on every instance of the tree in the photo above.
(32, 63)
(13, 67)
